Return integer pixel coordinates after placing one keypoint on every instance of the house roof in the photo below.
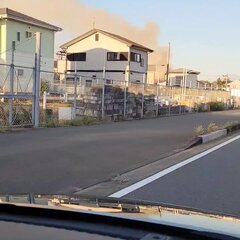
(182, 70)
(117, 37)
(6, 13)
(234, 83)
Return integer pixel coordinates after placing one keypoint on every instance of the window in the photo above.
(78, 57)
(28, 34)
(88, 83)
(135, 57)
(20, 72)
(55, 64)
(178, 81)
(69, 79)
(109, 82)
(117, 56)
(142, 62)
(18, 36)
(96, 37)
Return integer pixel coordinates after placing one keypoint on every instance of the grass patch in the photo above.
(199, 130)
(212, 127)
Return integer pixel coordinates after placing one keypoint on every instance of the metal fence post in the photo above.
(33, 94)
(103, 98)
(142, 110)
(180, 109)
(157, 110)
(75, 92)
(11, 93)
(125, 100)
(11, 87)
(37, 79)
(44, 100)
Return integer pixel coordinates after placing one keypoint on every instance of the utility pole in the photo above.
(168, 62)
(11, 85)
(37, 79)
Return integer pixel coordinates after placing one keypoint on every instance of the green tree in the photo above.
(44, 87)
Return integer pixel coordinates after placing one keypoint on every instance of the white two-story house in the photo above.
(98, 54)
(18, 44)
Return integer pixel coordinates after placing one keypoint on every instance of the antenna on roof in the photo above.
(93, 22)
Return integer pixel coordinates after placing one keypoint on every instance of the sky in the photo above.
(204, 35)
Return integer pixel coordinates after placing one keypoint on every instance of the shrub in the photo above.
(216, 106)
(44, 87)
(86, 120)
(230, 125)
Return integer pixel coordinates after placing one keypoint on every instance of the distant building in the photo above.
(182, 77)
(98, 54)
(19, 29)
(156, 74)
(201, 84)
(234, 88)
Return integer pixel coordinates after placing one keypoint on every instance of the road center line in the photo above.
(166, 171)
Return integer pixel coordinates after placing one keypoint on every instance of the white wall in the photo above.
(139, 73)
(191, 79)
(96, 59)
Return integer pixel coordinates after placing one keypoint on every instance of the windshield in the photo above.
(134, 101)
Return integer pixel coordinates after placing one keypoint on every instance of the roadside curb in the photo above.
(205, 138)
(213, 135)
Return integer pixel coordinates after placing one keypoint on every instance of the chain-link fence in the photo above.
(67, 96)
(73, 95)
(16, 94)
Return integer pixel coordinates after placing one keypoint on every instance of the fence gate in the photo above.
(16, 95)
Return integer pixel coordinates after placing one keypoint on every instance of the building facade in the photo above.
(18, 44)
(183, 78)
(157, 74)
(99, 55)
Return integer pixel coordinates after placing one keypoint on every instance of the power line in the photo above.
(10, 49)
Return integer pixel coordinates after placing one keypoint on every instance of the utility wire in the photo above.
(10, 49)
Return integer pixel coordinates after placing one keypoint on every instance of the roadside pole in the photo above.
(75, 89)
(157, 100)
(142, 107)
(125, 100)
(37, 79)
(11, 86)
(103, 98)
(44, 100)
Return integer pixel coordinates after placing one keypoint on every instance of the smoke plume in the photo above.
(76, 18)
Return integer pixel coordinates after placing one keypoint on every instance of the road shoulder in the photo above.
(113, 185)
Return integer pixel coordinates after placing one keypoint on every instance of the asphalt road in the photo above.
(65, 160)
(210, 183)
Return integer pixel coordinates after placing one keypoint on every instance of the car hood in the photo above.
(159, 213)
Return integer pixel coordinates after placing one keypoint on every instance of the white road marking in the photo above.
(166, 171)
